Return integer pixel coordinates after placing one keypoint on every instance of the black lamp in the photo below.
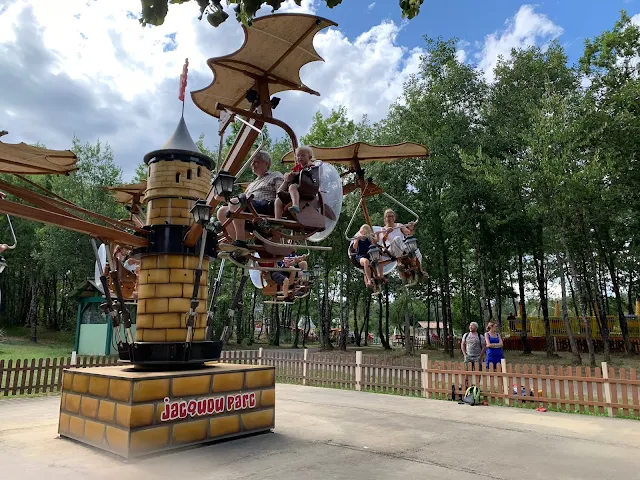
(3, 264)
(317, 270)
(223, 184)
(201, 212)
(411, 243)
(374, 253)
(305, 276)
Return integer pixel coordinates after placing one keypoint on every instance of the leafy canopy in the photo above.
(154, 12)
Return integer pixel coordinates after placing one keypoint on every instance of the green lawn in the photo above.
(60, 344)
(18, 345)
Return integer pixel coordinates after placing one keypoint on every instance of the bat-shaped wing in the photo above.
(275, 47)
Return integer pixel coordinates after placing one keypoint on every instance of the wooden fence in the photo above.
(602, 390)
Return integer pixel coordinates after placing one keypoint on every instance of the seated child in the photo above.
(304, 156)
(364, 240)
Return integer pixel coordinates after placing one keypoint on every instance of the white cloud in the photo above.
(636, 19)
(366, 74)
(371, 6)
(95, 72)
(526, 28)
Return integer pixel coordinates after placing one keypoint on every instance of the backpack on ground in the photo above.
(473, 396)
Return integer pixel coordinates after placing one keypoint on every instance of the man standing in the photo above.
(473, 345)
(263, 189)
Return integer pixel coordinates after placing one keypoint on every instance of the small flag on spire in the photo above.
(183, 79)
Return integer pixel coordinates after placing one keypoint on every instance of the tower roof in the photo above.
(180, 146)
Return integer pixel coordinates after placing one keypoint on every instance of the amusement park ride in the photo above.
(160, 255)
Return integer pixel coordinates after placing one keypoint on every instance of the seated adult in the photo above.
(263, 189)
(394, 234)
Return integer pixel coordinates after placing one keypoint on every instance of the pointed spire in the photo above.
(180, 146)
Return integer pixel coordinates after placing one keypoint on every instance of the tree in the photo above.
(154, 12)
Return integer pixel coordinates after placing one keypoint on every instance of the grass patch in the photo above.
(17, 344)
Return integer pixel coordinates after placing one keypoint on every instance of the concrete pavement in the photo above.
(335, 434)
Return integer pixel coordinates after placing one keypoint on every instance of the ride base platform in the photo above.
(131, 412)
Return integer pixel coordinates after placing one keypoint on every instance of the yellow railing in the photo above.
(535, 327)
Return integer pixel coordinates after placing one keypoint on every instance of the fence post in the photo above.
(73, 358)
(505, 381)
(305, 366)
(359, 370)
(424, 362)
(260, 352)
(607, 388)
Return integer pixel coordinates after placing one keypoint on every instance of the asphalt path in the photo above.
(335, 434)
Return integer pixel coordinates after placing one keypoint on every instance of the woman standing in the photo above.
(493, 341)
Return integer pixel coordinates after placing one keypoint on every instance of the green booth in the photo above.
(94, 335)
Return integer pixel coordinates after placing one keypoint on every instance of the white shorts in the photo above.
(397, 248)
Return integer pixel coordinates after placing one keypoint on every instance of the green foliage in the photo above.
(57, 258)
(154, 12)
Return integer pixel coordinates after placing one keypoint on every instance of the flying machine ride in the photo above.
(352, 157)
(171, 233)
(275, 49)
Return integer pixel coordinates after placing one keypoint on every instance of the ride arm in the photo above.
(71, 223)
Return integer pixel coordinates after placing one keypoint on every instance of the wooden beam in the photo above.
(58, 201)
(71, 223)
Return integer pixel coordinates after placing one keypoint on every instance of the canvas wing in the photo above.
(275, 47)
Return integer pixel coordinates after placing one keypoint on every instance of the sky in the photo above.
(87, 68)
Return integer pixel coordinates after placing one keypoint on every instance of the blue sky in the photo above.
(97, 74)
(472, 20)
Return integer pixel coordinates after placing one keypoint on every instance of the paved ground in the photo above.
(335, 434)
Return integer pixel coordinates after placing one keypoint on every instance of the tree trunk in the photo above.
(609, 258)
(357, 331)
(367, 313)
(499, 298)
(573, 295)
(235, 309)
(526, 349)
(33, 310)
(513, 298)
(386, 314)
(586, 319)
(437, 312)
(307, 323)
(327, 310)
(296, 336)
(577, 359)
(429, 311)
(630, 305)
(383, 340)
(463, 288)
(408, 341)
(484, 301)
(538, 260)
(344, 333)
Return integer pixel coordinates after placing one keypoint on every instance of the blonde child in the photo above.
(364, 240)
(304, 157)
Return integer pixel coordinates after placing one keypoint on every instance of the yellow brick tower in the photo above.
(178, 175)
(174, 396)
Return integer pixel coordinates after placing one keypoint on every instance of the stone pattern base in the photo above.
(164, 297)
(133, 413)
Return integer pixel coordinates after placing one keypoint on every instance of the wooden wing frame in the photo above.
(22, 159)
(274, 50)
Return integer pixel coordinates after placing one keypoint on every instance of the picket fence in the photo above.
(602, 390)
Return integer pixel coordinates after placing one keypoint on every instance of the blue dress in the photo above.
(494, 355)
(363, 249)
